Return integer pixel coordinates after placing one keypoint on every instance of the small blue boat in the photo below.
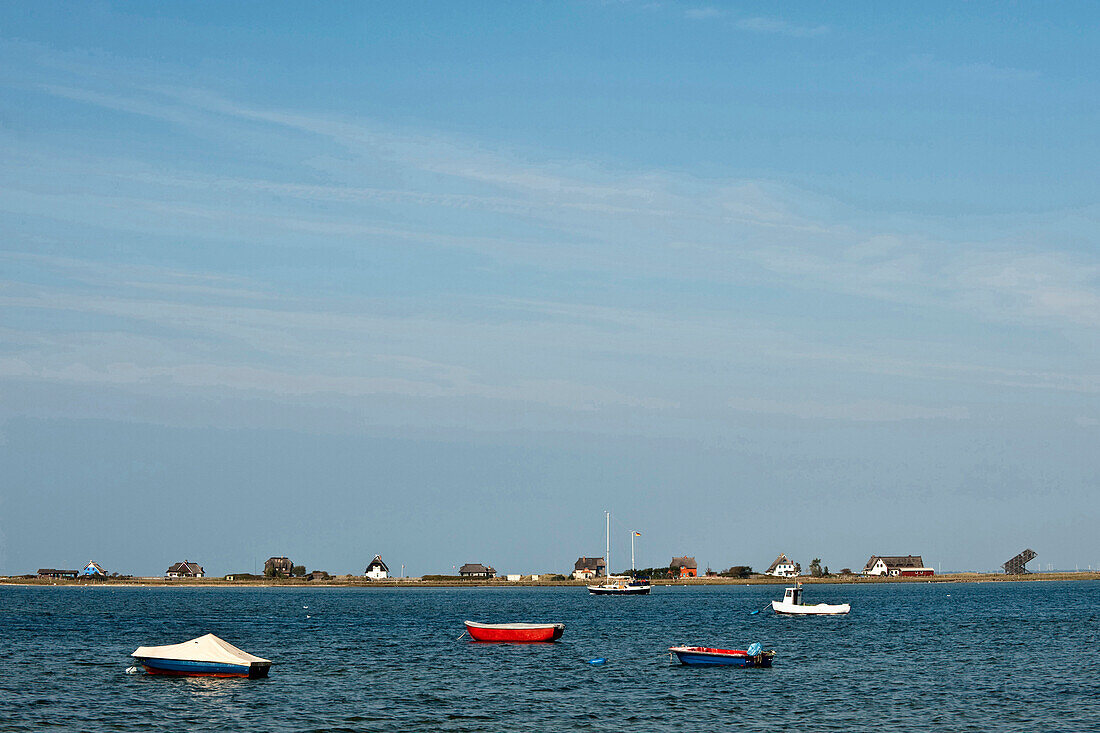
(755, 656)
(206, 656)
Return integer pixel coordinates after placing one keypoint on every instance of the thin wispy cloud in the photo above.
(757, 24)
(781, 27)
(591, 222)
(856, 411)
(704, 13)
(979, 71)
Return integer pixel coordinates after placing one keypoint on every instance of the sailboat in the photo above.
(619, 585)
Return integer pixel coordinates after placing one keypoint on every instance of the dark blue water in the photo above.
(981, 657)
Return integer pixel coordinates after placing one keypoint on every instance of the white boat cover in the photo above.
(207, 648)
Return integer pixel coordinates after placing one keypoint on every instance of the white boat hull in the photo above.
(619, 590)
(821, 609)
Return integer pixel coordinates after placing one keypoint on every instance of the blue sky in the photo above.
(445, 281)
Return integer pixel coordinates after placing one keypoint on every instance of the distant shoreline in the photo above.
(358, 582)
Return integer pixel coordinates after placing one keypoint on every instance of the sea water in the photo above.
(913, 656)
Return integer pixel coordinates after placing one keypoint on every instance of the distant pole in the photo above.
(632, 553)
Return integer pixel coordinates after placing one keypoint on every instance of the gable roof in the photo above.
(186, 568)
(781, 560)
(589, 563)
(279, 563)
(895, 561)
(474, 567)
(93, 568)
(377, 563)
(683, 562)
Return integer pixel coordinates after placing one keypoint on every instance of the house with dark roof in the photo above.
(278, 567)
(185, 569)
(683, 567)
(587, 568)
(377, 569)
(476, 570)
(782, 567)
(905, 566)
(54, 574)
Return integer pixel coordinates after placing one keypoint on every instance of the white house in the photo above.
(185, 569)
(897, 565)
(782, 568)
(513, 578)
(377, 569)
(587, 568)
(876, 566)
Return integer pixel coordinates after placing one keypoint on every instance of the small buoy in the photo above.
(131, 670)
(597, 660)
(308, 616)
(305, 606)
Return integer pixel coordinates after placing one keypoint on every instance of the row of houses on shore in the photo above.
(273, 568)
(589, 568)
(91, 570)
(894, 566)
(585, 568)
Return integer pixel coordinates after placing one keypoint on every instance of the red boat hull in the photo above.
(503, 632)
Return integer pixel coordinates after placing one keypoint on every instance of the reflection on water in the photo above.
(992, 657)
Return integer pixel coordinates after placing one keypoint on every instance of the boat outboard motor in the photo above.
(755, 649)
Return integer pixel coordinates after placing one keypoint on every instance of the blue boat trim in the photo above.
(184, 667)
(716, 659)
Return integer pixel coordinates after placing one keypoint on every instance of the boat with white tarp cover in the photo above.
(206, 656)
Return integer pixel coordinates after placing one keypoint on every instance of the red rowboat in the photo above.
(514, 632)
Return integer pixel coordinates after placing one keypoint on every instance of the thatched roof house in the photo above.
(377, 570)
(684, 567)
(185, 569)
(895, 565)
(54, 573)
(589, 567)
(476, 570)
(782, 567)
(276, 566)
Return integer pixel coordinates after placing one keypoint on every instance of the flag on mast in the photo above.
(637, 534)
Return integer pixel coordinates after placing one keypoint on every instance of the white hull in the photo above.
(821, 609)
(619, 589)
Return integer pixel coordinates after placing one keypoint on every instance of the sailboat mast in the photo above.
(607, 549)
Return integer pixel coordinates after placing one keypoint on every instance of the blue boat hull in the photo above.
(723, 660)
(203, 669)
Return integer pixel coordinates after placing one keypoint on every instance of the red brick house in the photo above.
(683, 567)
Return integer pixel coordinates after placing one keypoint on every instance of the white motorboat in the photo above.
(206, 656)
(792, 604)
